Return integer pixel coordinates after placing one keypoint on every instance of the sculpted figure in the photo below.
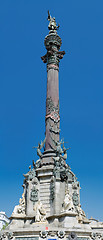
(60, 151)
(81, 214)
(40, 213)
(68, 203)
(52, 23)
(31, 174)
(64, 152)
(20, 209)
(56, 170)
(40, 146)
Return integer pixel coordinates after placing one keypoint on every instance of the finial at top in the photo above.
(52, 23)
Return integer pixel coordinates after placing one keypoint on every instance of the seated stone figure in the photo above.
(81, 215)
(20, 209)
(40, 213)
(68, 202)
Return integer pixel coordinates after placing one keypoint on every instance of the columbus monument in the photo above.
(50, 204)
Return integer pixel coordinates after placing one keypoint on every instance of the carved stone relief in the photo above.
(61, 169)
(75, 183)
(61, 234)
(30, 175)
(52, 189)
(40, 213)
(10, 235)
(52, 109)
(75, 198)
(72, 236)
(97, 236)
(52, 43)
(68, 203)
(44, 234)
(6, 235)
(34, 194)
(81, 215)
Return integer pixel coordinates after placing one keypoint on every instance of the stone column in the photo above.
(52, 120)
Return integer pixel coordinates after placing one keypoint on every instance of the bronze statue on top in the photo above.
(52, 23)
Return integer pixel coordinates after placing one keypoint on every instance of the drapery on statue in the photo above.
(52, 23)
(40, 213)
(68, 203)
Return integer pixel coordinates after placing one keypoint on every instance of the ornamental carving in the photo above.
(50, 106)
(59, 150)
(55, 39)
(97, 236)
(34, 194)
(52, 189)
(31, 174)
(52, 43)
(61, 169)
(39, 147)
(61, 234)
(43, 234)
(72, 236)
(54, 130)
(81, 215)
(54, 116)
(6, 235)
(75, 198)
(10, 235)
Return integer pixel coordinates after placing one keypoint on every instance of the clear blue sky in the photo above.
(23, 27)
